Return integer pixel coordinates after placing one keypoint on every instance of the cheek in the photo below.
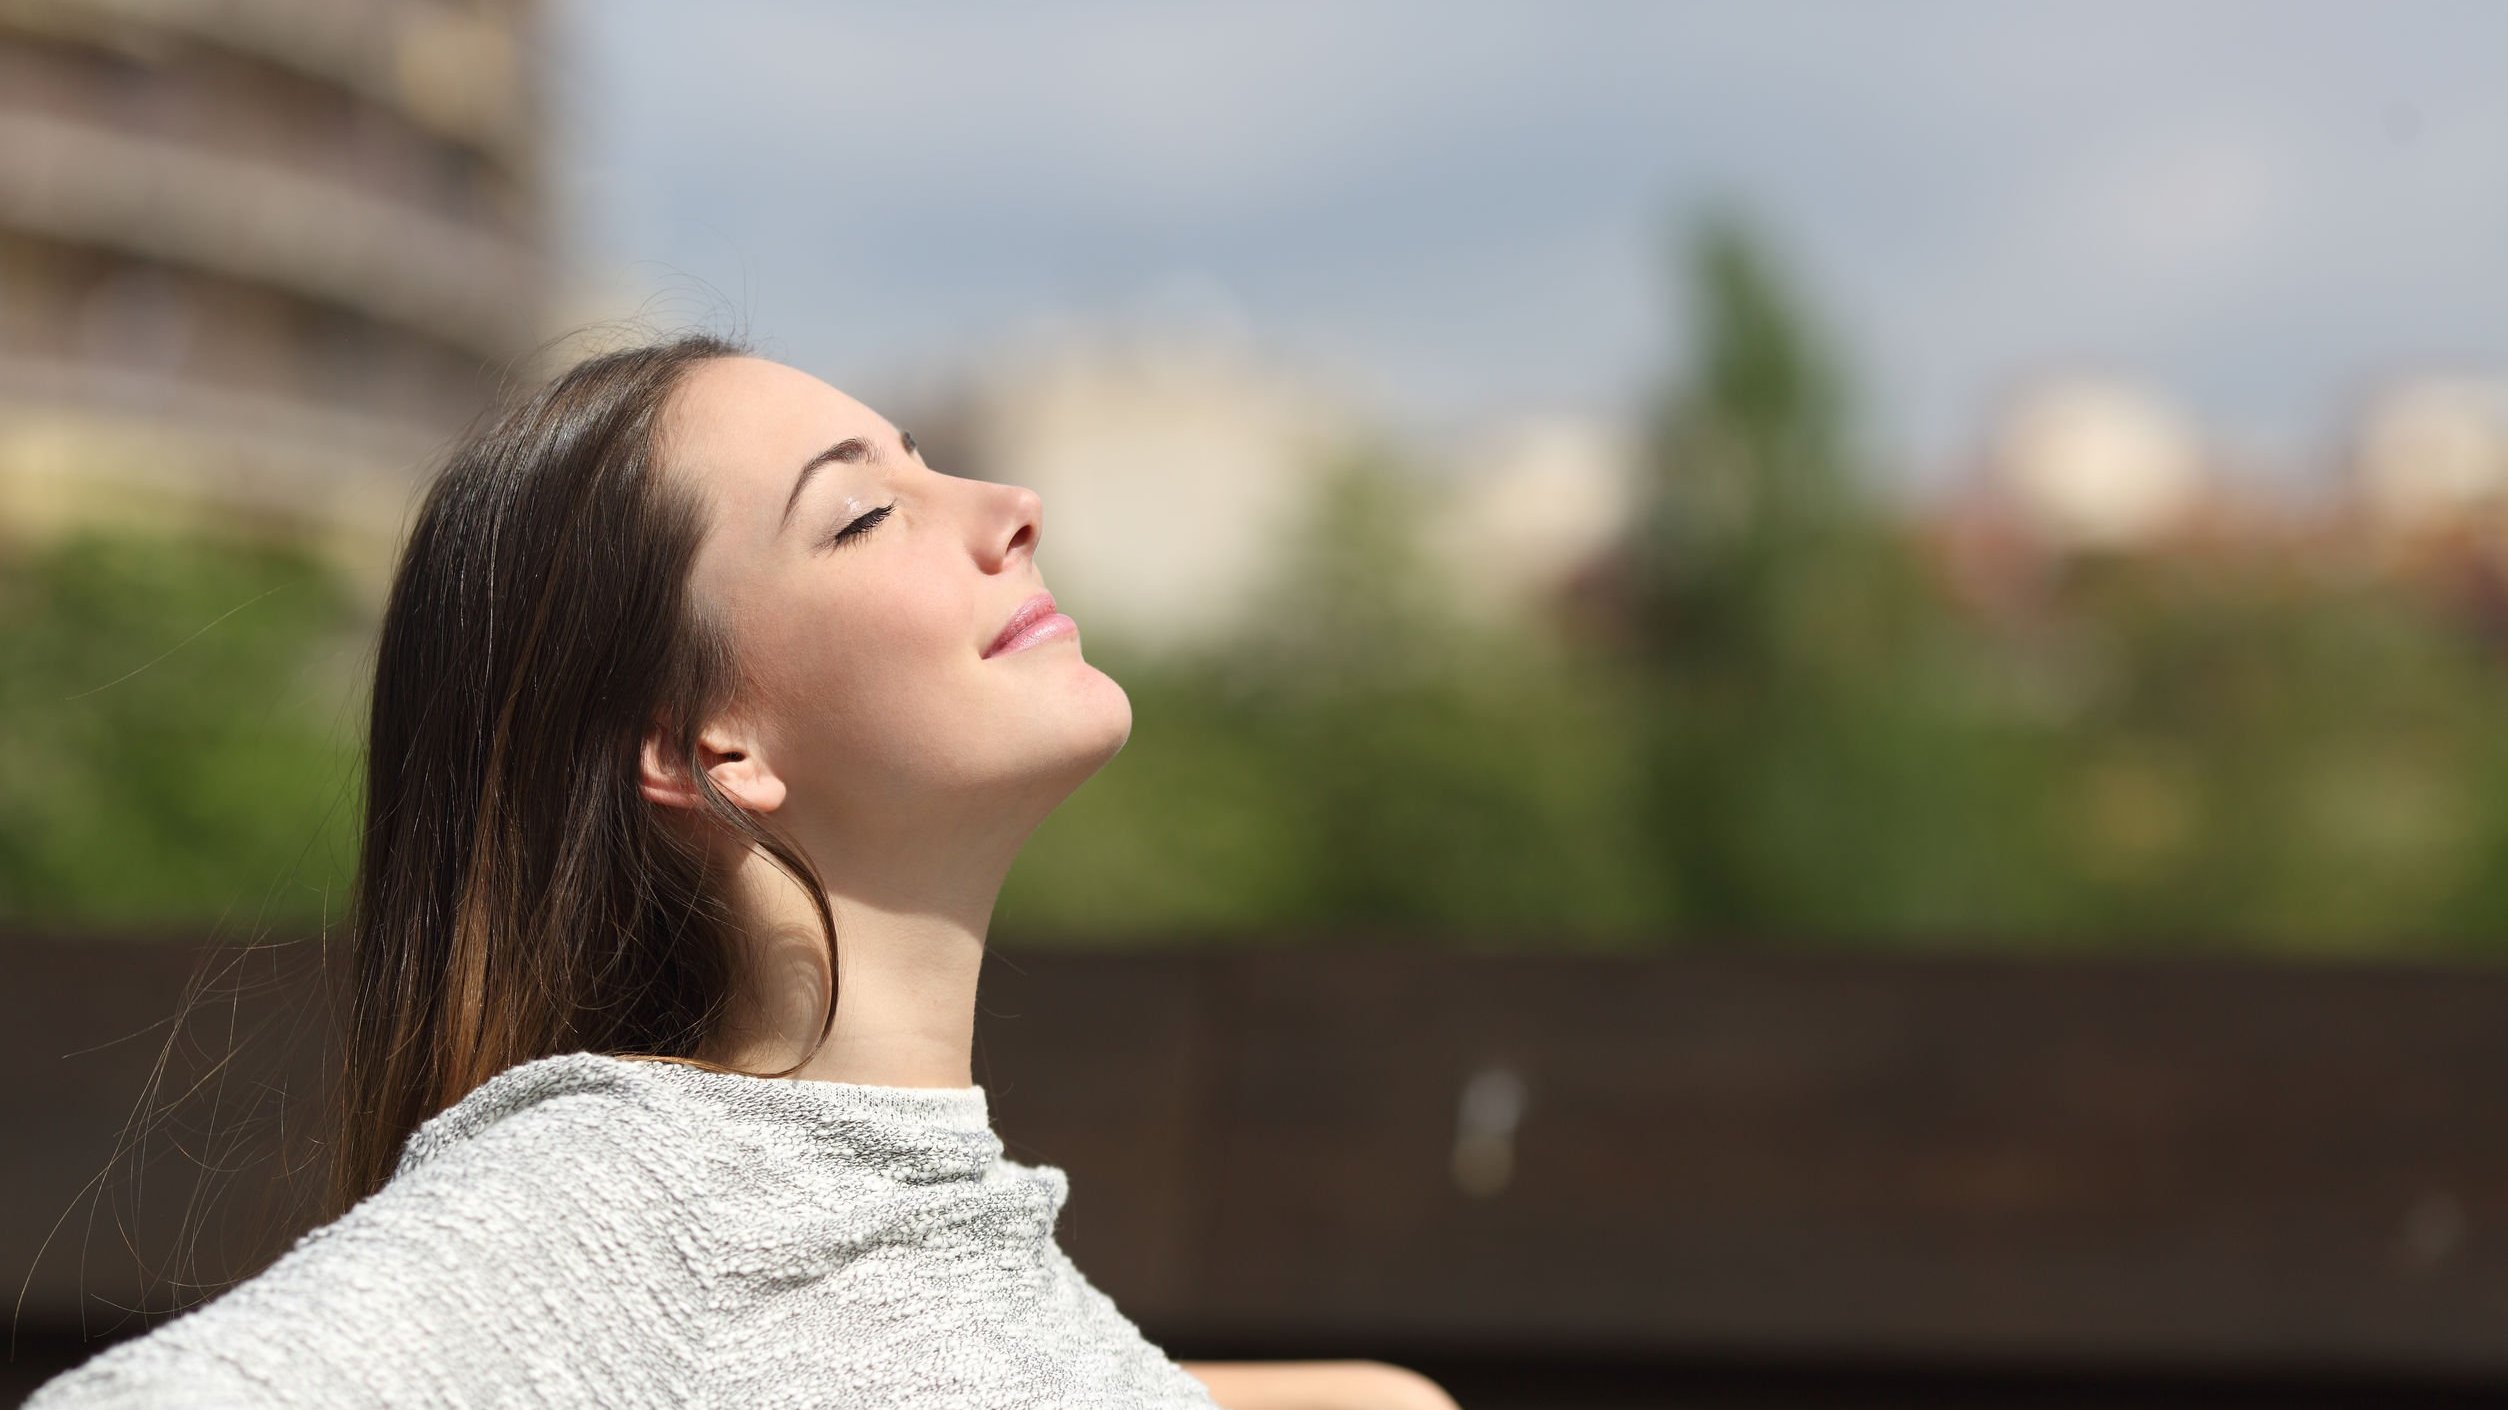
(877, 683)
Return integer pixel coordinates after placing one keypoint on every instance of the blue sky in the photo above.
(1462, 211)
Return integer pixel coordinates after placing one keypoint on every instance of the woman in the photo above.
(707, 721)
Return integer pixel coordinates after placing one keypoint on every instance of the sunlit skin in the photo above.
(873, 732)
(869, 727)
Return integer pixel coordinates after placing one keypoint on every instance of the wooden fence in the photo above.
(1682, 1179)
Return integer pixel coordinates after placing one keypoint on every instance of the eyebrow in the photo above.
(852, 450)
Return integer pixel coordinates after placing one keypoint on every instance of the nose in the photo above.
(1016, 523)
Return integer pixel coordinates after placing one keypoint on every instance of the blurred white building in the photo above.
(2093, 464)
(2431, 452)
(1539, 500)
(1176, 467)
(1173, 467)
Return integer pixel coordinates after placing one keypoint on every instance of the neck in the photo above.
(910, 947)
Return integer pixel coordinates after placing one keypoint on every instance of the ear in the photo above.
(728, 758)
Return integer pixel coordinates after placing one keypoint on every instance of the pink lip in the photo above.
(1035, 621)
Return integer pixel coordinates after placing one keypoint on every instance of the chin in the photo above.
(1073, 734)
(1113, 718)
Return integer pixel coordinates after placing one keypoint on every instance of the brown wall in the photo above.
(2102, 1167)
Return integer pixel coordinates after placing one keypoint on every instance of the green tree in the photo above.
(1820, 763)
(180, 733)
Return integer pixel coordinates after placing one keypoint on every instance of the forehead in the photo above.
(745, 425)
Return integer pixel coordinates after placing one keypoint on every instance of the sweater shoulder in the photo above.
(571, 1097)
(559, 1158)
(549, 1239)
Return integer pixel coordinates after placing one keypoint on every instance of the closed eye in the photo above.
(861, 526)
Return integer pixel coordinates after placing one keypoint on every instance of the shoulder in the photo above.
(572, 1100)
(579, 1148)
(550, 1230)
(579, 1170)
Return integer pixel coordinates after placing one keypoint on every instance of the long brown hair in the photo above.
(516, 895)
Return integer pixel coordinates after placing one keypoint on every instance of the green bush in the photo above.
(179, 737)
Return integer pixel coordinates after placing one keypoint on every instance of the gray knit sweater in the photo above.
(588, 1231)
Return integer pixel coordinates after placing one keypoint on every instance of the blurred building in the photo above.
(2093, 464)
(2080, 467)
(2431, 452)
(1178, 466)
(2427, 491)
(259, 259)
(1173, 468)
(1533, 510)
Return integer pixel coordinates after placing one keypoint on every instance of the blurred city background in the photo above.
(1821, 691)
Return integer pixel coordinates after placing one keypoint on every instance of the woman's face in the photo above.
(865, 688)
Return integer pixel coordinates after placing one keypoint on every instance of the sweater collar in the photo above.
(963, 1110)
(919, 1133)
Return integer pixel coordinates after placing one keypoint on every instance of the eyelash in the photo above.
(861, 526)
